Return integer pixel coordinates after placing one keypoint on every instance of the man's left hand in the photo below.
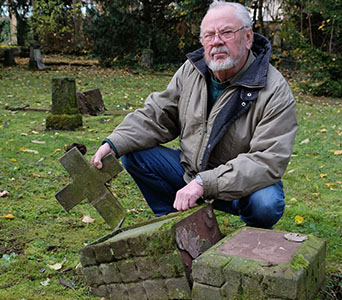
(188, 195)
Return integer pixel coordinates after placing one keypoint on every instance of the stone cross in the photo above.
(89, 182)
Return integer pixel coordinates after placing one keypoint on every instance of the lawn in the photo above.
(39, 241)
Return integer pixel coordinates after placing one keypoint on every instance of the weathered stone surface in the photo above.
(205, 292)
(136, 291)
(89, 182)
(156, 289)
(9, 57)
(178, 288)
(110, 273)
(64, 114)
(90, 102)
(87, 256)
(100, 291)
(257, 276)
(147, 268)
(93, 276)
(148, 257)
(118, 292)
(128, 270)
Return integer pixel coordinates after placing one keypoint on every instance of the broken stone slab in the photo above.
(89, 182)
(90, 102)
(65, 113)
(260, 264)
(156, 253)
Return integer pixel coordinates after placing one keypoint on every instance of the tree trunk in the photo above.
(260, 16)
(78, 24)
(13, 27)
(331, 36)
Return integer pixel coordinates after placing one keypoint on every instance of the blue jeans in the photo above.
(159, 175)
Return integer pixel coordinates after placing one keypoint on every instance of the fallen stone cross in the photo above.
(89, 182)
(260, 264)
(151, 260)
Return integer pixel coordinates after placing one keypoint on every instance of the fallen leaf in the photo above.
(56, 266)
(226, 222)
(8, 216)
(65, 283)
(36, 175)
(305, 141)
(323, 130)
(4, 193)
(29, 150)
(323, 175)
(38, 142)
(298, 220)
(338, 152)
(45, 283)
(330, 184)
(13, 159)
(293, 199)
(290, 171)
(88, 219)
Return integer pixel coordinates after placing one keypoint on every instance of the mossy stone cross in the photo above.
(89, 182)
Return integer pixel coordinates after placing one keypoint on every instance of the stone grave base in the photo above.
(152, 260)
(63, 121)
(259, 264)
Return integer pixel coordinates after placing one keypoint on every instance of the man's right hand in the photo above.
(100, 153)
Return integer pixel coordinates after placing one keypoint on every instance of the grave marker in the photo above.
(89, 182)
(65, 113)
(152, 259)
(260, 264)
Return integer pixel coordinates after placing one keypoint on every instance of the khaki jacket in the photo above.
(242, 145)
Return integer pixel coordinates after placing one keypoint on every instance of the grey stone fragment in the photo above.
(178, 288)
(93, 276)
(128, 270)
(110, 273)
(118, 292)
(156, 289)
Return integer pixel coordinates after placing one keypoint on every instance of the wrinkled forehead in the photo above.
(221, 18)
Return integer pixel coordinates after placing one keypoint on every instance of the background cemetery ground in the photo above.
(39, 241)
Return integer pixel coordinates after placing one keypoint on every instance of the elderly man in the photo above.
(235, 118)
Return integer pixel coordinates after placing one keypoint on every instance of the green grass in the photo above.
(42, 233)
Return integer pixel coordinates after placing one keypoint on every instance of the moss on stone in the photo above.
(64, 121)
(299, 262)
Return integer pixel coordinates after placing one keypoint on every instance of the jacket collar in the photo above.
(254, 74)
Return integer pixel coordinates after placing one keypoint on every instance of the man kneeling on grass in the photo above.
(235, 117)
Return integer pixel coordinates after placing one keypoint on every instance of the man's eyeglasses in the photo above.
(223, 35)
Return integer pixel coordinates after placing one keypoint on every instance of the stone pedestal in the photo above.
(65, 113)
(260, 264)
(151, 260)
(36, 60)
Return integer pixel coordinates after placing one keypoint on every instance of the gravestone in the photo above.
(36, 60)
(260, 264)
(151, 260)
(89, 182)
(90, 102)
(9, 57)
(147, 58)
(65, 113)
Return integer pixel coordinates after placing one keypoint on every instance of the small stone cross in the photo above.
(89, 182)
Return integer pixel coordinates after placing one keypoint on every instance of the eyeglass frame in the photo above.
(219, 35)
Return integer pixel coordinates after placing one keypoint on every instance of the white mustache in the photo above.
(219, 49)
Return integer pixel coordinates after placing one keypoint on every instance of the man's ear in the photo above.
(249, 38)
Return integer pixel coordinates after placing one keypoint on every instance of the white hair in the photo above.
(241, 12)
